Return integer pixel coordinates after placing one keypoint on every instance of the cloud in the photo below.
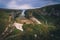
(13, 5)
(40, 4)
(25, 4)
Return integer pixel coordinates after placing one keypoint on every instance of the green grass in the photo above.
(43, 30)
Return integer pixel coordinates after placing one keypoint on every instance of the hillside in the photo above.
(49, 16)
(50, 13)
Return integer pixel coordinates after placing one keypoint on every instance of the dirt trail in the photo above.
(35, 20)
(18, 26)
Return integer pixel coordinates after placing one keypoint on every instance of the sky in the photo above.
(26, 4)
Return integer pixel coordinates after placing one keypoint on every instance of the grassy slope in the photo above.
(29, 30)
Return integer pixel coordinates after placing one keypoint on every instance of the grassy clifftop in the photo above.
(48, 30)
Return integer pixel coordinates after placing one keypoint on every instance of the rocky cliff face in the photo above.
(50, 10)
